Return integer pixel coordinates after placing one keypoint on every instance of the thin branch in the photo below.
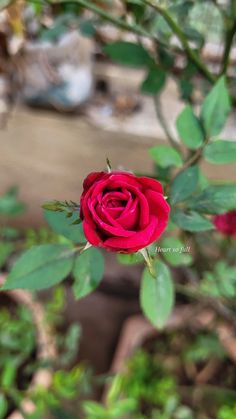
(217, 305)
(191, 54)
(137, 29)
(195, 294)
(193, 159)
(229, 38)
(163, 123)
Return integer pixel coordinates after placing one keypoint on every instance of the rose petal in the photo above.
(157, 204)
(91, 234)
(92, 178)
(106, 215)
(107, 228)
(110, 196)
(144, 207)
(138, 241)
(129, 218)
(149, 183)
(117, 177)
(115, 212)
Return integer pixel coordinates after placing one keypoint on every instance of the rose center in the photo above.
(116, 203)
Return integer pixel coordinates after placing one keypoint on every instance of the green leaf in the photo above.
(6, 249)
(137, 8)
(157, 295)
(189, 128)
(154, 82)
(115, 388)
(175, 252)
(94, 409)
(9, 203)
(9, 373)
(221, 152)
(186, 89)
(220, 282)
(65, 226)
(216, 108)
(87, 28)
(203, 182)
(184, 185)
(191, 221)
(130, 259)
(128, 53)
(3, 406)
(123, 407)
(215, 199)
(88, 272)
(41, 267)
(165, 156)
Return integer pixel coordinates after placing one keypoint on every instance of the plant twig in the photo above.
(131, 27)
(194, 158)
(163, 123)
(149, 262)
(217, 305)
(229, 37)
(191, 54)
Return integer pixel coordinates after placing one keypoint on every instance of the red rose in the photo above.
(226, 223)
(122, 212)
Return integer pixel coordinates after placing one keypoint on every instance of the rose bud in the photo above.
(122, 212)
(226, 223)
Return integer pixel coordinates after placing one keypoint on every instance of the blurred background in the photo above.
(65, 107)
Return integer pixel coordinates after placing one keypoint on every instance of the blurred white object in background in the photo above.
(58, 75)
(79, 82)
(4, 102)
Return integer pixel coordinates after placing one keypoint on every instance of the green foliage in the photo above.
(88, 271)
(221, 152)
(41, 236)
(18, 342)
(18, 362)
(227, 412)
(130, 258)
(115, 406)
(157, 294)
(120, 409)
(204, 347)
(69, 345)
(216, 199)
(41, 267)
(64, 225)
(6, 248)
(128, 53)
(154, 390)
(165, 156)
(59, 27)
(189, 128)
(221, 282)
(137, 8)
(191, 221)
(216, 108)
(62, 24)
(192, 198)
(10, 205)
(3, 406)
(184, 185)
(154, 82)
(65, 384)
(55, 306)
(146, 380)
